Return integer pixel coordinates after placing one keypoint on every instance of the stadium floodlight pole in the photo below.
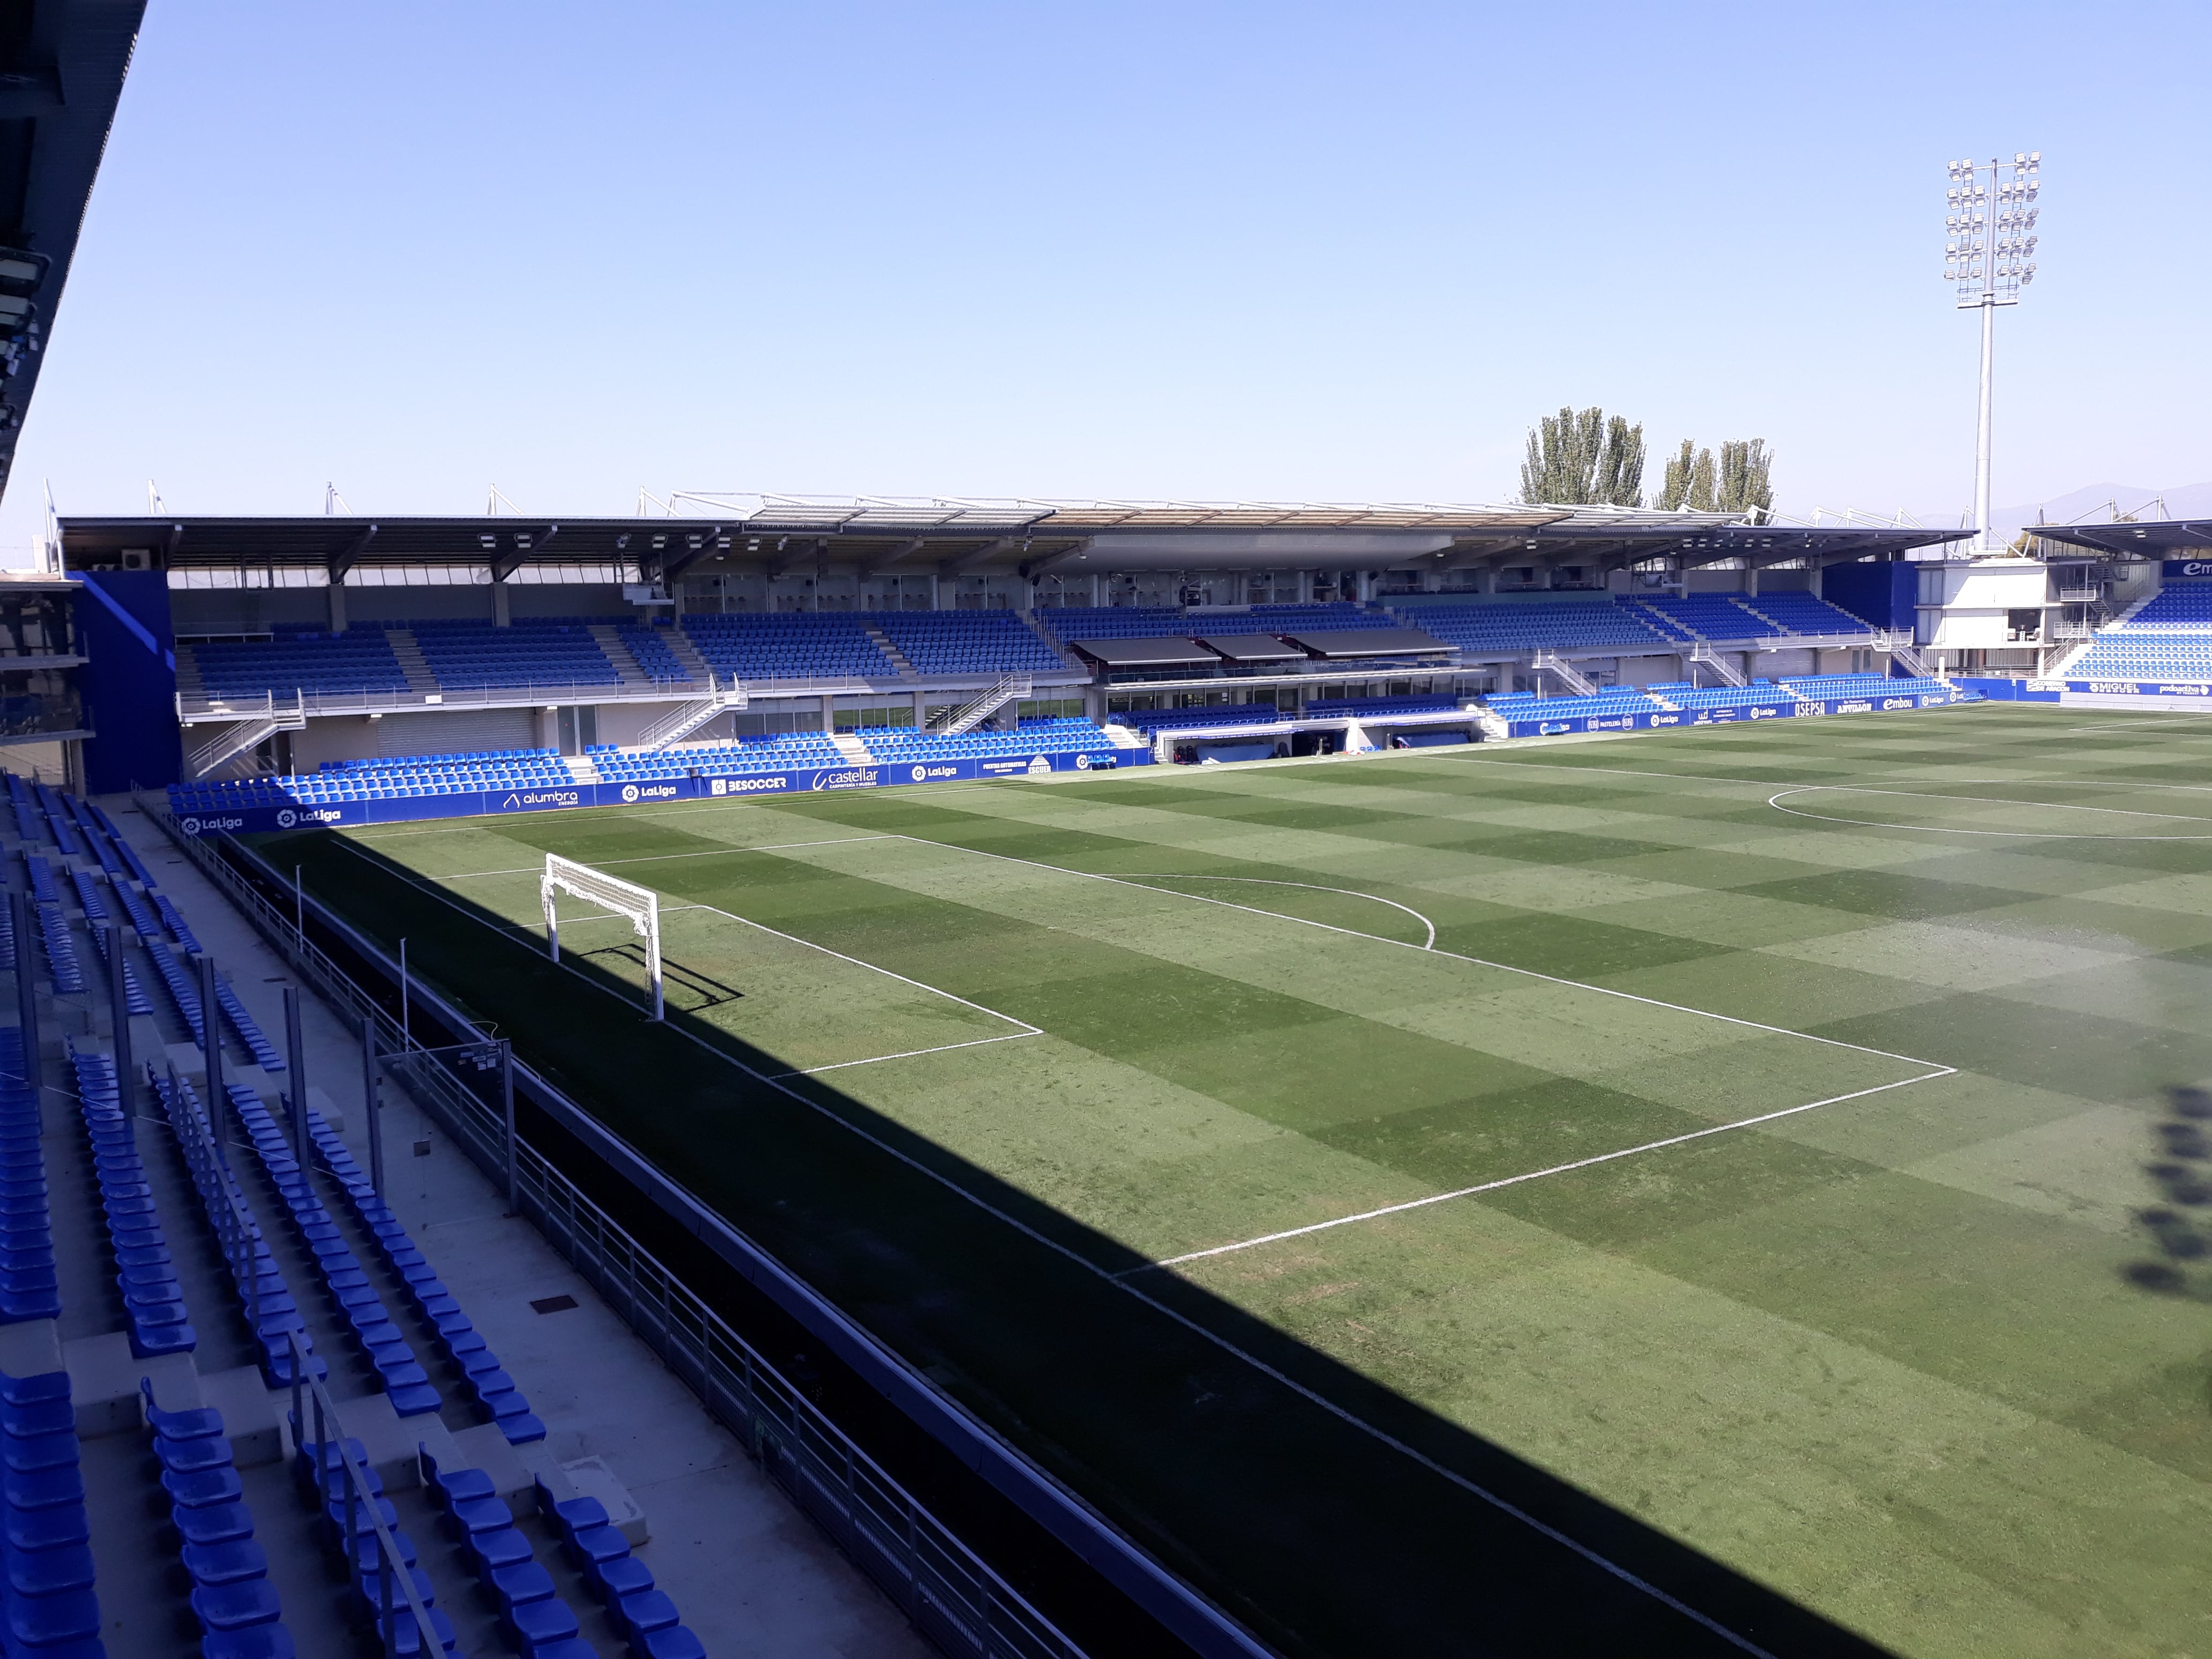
(1989, 256)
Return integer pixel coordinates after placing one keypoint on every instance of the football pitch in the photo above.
(1748, 1128)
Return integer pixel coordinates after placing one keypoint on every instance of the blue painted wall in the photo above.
(130, 680)
(1883, 594)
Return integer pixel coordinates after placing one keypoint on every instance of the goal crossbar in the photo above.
(640, 905)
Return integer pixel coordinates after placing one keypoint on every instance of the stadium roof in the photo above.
(2146, 539)
(62, 63)
(777, 536)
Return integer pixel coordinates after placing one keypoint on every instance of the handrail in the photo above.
(391, 1565)
(938, 1579)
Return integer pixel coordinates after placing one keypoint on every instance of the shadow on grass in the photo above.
(684, 989)
(2179, 1224)
(1286, 1511)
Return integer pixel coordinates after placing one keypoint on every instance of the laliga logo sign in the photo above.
(190, 826)
(286, 817)
(630, 794)
(920, 773)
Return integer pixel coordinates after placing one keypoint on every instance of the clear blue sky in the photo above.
(1280, 250)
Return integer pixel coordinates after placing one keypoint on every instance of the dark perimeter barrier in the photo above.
(944, 1587)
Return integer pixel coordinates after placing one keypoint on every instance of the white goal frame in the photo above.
(640, 905)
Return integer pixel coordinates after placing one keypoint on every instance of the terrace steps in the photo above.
(411, 662)
(619, 654)
(906, 669)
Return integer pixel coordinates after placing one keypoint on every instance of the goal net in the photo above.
(641, 905)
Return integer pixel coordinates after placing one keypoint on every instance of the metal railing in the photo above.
(948, 1591)
(192, 709)
(361, 1496)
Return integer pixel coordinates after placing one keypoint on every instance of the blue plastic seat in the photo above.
(271, 1641)
(235, 1607)
(191, 1456)
(213, 1523)
(537, 1624)
(233, 1562)
(674, 1642)
(493, 1551)
(49, 1573)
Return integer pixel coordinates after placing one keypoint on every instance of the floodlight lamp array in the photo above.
(1989, 226)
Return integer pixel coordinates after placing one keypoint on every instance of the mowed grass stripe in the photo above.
(1884, 1356)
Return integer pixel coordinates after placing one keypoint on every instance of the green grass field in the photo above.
(1745, 1126)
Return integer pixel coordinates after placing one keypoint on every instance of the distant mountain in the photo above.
(2095, 502)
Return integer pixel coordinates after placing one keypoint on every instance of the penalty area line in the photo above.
(1076, 1258)
(1532, 1174)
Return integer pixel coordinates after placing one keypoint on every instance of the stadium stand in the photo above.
(1801, 613)
(1072, 623)
(2168, 638)
(1711, 616)
(1330, 708)
(1514, 627)
(1235, 714)
(967, 642)
(899, 745)
(793, 646)
(472, 655)
(651, 653)
(298, 659)
(1529, 705)
(215, 1548)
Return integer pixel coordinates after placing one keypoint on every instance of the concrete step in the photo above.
(618, 654)
(412, 664)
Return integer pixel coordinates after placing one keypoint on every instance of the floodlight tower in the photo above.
(1990, 254)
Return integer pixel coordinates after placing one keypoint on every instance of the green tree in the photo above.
(1581, 459)
(1746, 483)
(1689, 480)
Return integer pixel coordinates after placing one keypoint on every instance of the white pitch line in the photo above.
(1407, 945)
(1429, 943)
(907, 1054)
(656, 858)
(1028, 1029)
(1776, 800)
(1312, 1395)
(1534, 1175)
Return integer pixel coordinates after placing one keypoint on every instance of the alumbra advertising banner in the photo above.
(660, 792)
(1756, 711)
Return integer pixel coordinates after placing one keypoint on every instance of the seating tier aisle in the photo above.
(475, 655)
(1515, 626)
(967, 642)
(805, 645)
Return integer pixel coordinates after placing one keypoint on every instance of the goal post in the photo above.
(641, 905)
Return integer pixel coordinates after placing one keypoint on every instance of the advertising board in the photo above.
(658, 792)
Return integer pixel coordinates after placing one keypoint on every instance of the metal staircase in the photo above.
(681, 721)
(958, 718)
(1727, 671)
(238, 737)
(1902, 650)
(1550, 662)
